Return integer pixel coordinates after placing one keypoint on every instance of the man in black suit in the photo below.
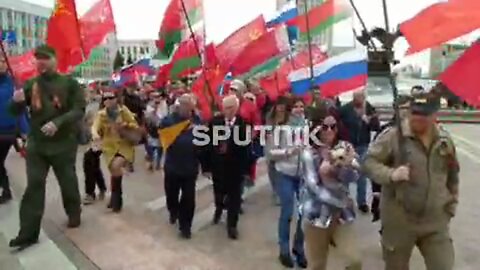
(227, 162)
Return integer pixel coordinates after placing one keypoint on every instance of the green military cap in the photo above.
(424, 104)
(45, 51)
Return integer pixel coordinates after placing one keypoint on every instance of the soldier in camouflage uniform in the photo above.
(419, 192)
(56, 107)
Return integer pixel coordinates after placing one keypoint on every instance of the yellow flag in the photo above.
(168, 135)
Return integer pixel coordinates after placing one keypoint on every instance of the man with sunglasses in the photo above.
(419, 191)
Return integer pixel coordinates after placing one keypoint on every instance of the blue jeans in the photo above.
(155, 154)
(362, 180)
(288, 188)
(272, 176)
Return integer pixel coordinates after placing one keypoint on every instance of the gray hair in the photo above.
(186, 98)
(230, 100)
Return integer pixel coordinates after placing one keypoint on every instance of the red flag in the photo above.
(231, 47)
(462, 76)
(211, 60)
(162, 75)
(259, 51)
(96, 24)
(208, 97)
(63, 34)
(278, 84)
(440, 23)
(186, 59)
(23, 66)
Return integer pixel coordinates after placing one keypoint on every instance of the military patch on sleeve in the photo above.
(383, 132)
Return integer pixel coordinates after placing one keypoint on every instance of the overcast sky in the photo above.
(140, 19)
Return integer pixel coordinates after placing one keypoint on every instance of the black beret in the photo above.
(424, 104)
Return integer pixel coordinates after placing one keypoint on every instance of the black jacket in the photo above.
(359, 131)
(136, 105)
(183, 157)
(227, 157)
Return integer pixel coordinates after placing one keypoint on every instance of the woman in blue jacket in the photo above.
(10, 128)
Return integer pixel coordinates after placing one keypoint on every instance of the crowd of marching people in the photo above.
(313, 178)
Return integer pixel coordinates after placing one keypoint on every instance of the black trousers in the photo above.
(376, 188)
(5, 146)
(93, 172)
(180, 193)
(227, 190)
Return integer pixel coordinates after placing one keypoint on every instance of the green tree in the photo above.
(118, 61)
(129, 60)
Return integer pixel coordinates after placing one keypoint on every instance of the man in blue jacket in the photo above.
(10, 127)
(182, 161)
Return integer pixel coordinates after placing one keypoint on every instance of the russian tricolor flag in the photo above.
(288, 12)
(342, 73)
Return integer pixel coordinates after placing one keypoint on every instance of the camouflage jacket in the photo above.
(432, 191)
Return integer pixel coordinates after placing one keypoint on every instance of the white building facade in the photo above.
(137, 49)
(23, 25)
(100, 64)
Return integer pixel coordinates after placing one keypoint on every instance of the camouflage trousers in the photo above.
(435, 246)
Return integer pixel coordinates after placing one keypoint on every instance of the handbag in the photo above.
(132, 135)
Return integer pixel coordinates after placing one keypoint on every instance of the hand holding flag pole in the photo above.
(7, 61)
(197, 48)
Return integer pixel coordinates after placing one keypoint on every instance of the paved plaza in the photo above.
(140, 238)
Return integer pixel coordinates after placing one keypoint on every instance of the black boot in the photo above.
(185, 233)
(6, 196)
(116, 200)
(173, 219)
(22, 243)
(74, 221)
(232, 233)
(286, 260)
(217, 215)
(300, 259)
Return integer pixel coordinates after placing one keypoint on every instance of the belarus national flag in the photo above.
(336, 75)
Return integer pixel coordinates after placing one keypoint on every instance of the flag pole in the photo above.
(309, 41)
(79, 31)
(197, 48)
(277, 84)
(398, 122)
(117, 43)
(9, 67)
(362, 23)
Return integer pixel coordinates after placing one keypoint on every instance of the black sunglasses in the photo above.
(326, 127)
(109, 98)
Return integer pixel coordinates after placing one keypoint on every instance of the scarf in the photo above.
(112, 113)
(296, 121)
(42, 83)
